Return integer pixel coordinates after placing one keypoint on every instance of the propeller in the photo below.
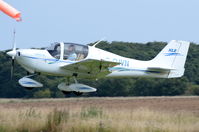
(12, 53)
(12, 69)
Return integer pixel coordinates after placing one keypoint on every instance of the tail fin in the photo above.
(173, 57)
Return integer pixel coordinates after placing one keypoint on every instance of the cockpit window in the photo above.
(55, 50)
(75, 52)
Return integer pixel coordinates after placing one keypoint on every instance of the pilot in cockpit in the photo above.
(72, 55)
(56, 51)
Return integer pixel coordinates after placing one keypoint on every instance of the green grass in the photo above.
(91, 112)
(93, 118)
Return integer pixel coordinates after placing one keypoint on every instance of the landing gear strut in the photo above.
(75, 92)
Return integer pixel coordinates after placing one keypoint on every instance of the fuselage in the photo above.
(50, 60)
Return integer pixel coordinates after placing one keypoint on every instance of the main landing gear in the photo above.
(76, 88)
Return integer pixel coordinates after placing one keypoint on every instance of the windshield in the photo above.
(54, 50)
(75, 52)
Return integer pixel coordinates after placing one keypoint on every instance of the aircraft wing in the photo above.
(99, 68)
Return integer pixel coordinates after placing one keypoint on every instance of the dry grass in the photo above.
(84, 116)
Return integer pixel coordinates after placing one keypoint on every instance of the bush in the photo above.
(193, 90)
(42, 94)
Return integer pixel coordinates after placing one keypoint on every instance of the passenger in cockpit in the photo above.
(72, 55)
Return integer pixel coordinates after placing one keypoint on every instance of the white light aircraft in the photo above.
(82, 61)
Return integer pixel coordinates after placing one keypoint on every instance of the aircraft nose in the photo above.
(12, 53)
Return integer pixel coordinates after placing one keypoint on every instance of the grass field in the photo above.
(123, 114)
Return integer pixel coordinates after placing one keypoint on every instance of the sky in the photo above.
(86, 21)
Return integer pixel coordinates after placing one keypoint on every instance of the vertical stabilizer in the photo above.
(173, 57)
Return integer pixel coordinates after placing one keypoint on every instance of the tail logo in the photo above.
(172, 52)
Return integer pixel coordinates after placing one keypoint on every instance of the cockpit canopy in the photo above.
(71, 51)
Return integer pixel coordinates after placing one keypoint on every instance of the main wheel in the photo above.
(29, 88)
(65, 92)
(78, 93)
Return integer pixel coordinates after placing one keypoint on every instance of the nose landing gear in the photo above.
(29, 83)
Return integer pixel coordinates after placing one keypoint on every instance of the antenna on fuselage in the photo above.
(99, 41)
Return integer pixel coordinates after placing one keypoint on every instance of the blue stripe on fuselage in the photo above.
(53, 60)
(120, 69)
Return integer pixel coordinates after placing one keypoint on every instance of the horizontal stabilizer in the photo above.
(160, 69)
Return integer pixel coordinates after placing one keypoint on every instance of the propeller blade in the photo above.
(13, 54)
(12, 69)
(14, 40)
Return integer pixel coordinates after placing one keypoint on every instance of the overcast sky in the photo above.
(86, 21)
